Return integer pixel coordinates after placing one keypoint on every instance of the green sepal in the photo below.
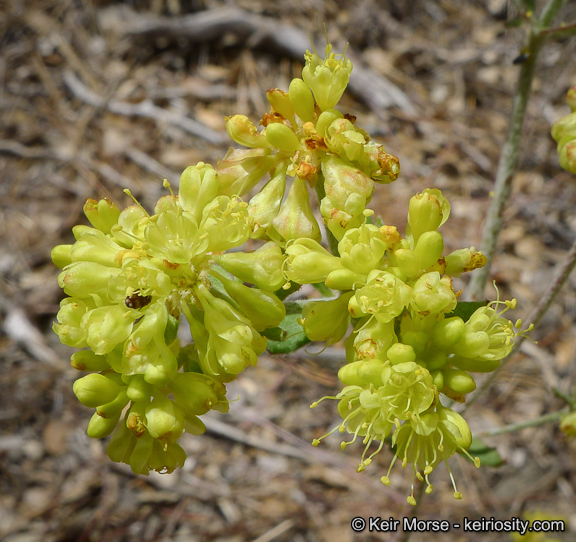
(171, 331)
(100, 427)
(489, 457)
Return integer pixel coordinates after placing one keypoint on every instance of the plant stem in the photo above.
(509, 156)
(504, 174)
(321, 194)
(535, 316)
(542, 420)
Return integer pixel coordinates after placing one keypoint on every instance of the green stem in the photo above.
(321, 194)
(542, 420)
(509, 156)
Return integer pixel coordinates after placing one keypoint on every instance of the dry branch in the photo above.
(143, 109)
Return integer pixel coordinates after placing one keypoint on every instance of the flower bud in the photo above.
(262, 267)
(100, 427)
(344, 279)
(348, 374)
(437, 378)
(326, 78)
(198, 186)
(282, 137)
(102, 214)
(164, 420)
(108, 326)
(295, 218)
(429, 248)
(458, 381)
(242, 131)
(262, 308)
(435, 359)
(448, 332)
(457, 426)
(464, 260)
(194, 425)
(571, 98)
(301, 99)
(96, 247)
(408, 261)
(95, 389)
(113, 409)
(80, 279)
(61, 255)
(326, 320)
(70, 315)
(568, 424)
(162, 366)
(153, 324)
(195, 394)
(564, 132)
(370, 371)
(86, 360)
(400, 353)
(308, 262)
(472, 344)
(233, 344)
(264, 206)
(567, 152)
(325, 119)
(427, 212)
(139, 390)
(280, 102)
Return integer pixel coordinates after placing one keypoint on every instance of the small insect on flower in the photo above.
(137, 301)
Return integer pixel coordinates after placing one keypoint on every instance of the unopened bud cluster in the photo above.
(133, 277)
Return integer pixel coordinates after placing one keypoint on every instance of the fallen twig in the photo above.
(143, 109)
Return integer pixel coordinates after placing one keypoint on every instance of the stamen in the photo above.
(127, 191)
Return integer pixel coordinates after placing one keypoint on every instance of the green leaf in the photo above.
(465, 309)
(488, 456)
(289, 335)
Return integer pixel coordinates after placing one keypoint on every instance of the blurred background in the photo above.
(97, 96)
